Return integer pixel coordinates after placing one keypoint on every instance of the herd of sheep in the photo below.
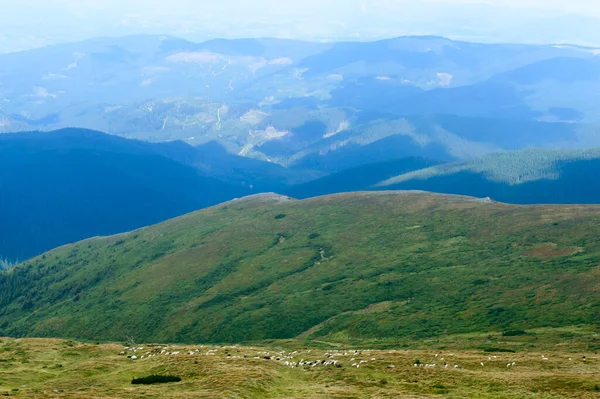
(289, 359)
(294, 359)
(286, 358)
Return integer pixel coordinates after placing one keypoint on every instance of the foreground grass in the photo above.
(49, 368)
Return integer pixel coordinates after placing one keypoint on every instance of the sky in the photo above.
(34, 23)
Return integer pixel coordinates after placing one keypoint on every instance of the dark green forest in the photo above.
(56, 194)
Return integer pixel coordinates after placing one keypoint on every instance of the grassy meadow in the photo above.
(51, 368)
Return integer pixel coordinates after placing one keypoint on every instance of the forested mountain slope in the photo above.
(362, 265)
(531, 176)
(62, 187)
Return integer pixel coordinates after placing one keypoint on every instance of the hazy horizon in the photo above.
(33, 23)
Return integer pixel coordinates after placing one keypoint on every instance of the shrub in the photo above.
(312, 236)
(155, 379)
(441, 389)
(498, 350)
(514, 333)
(280, 216)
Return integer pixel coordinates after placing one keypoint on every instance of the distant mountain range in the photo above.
(302, 103)
(342, 20)
(384, 266)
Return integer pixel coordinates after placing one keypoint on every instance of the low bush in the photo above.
(514, 333)
(498, 350)
(155, 379)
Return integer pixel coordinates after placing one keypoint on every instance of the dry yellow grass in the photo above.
(48, 368)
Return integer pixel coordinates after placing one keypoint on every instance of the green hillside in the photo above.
(351, 266)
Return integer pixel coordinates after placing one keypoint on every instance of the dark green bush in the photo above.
(155, 379)
(498, 350)
(280, 216)
(514, 333)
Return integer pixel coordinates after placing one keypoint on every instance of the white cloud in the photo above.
(281, 61)
(444, 79)
(196, 57)
(42, 92)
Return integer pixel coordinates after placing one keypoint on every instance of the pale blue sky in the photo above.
(31, 23)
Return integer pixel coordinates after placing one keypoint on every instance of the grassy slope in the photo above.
(67, 369)
(344, 267)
